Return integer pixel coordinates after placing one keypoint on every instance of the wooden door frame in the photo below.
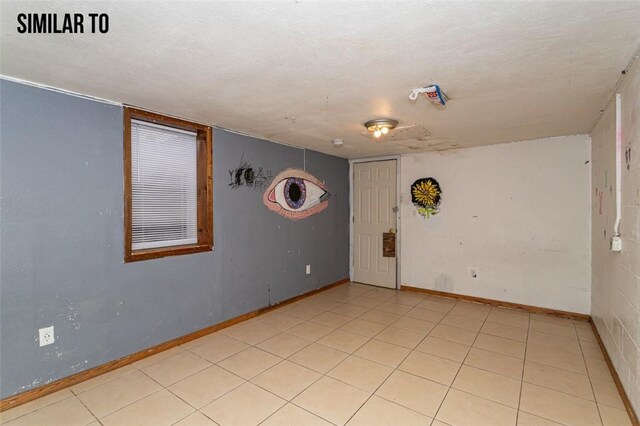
(351, 215)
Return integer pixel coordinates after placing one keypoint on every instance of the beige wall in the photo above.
(517, 213)
(616, 276)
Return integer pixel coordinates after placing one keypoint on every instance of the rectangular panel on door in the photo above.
(374, 187)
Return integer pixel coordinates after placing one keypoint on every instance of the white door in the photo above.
(374, 196)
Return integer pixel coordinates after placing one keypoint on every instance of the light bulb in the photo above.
(377, 133)
(385, 130)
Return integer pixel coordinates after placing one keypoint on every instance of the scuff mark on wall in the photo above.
(627, 156)
(247, 175)
(599, 201)
(31, 385)
(76, 366)
(444, 283)
(72, 315)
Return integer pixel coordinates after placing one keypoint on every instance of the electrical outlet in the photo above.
(308, 269)
(473, 272)
(616, 243)
(46, 336)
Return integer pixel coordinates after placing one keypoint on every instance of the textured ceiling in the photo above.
(305, 72)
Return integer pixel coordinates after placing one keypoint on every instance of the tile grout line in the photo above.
(555, 390)
(245, 381)
(186, 377)
(87, 408)
(524, 365)
(125, 406)
(372, 393)
(195, 410)
(287, 401)
(560, 391)
(353, 354)
(290, 401)
(461, 364)
(160, 390)
(595, 398)
(470, 347)
(488, 320)
(44, 406)
(387, 378)
(129, 404)
(297, 406)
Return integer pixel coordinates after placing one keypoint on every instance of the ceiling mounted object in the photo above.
(407, 132)
(381, 126)
(432, 93)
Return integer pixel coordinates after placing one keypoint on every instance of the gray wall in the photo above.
(61, 238)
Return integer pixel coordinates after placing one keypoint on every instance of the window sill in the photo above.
(139, 255)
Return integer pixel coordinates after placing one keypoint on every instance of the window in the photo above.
(168, 186)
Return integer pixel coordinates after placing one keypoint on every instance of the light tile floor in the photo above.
(358, 355)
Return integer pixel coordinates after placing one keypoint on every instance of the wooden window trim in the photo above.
(205, 187)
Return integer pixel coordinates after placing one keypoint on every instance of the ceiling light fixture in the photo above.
(381, 126)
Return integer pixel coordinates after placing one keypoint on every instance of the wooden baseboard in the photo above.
(623, 394)
(494, 302)
(65, 382)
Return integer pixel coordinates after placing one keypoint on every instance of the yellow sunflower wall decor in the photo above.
(426, 196)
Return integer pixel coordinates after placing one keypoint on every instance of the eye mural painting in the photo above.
(426, 196)
(296, 194)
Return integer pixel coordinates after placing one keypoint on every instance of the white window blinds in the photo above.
(163, 186)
